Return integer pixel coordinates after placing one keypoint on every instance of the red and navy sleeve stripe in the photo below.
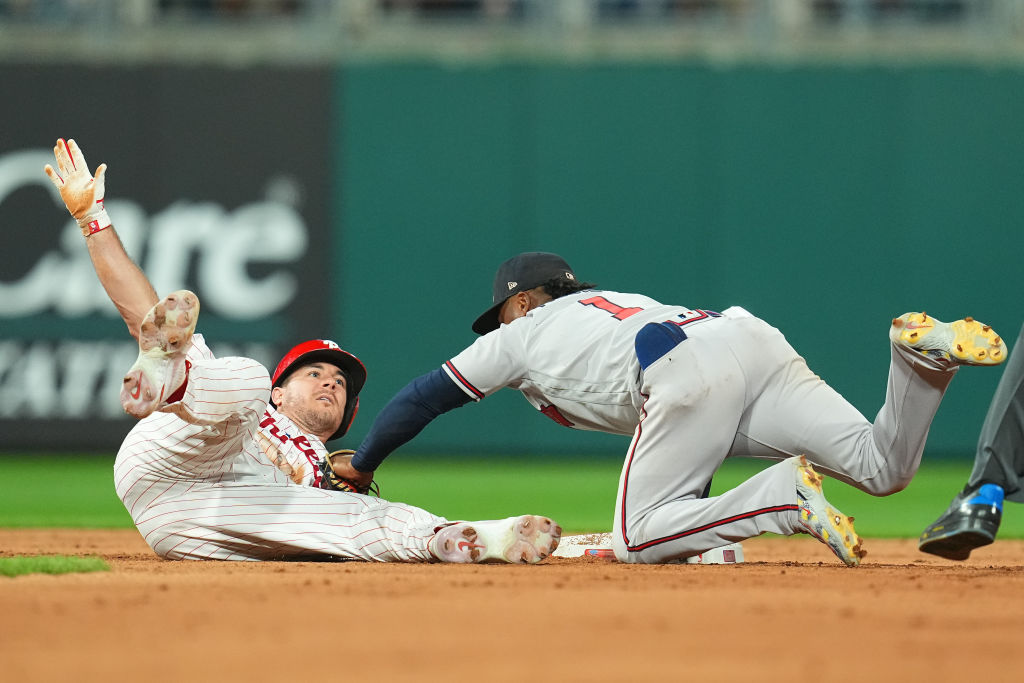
(465, 383)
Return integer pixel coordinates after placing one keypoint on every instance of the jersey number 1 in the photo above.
(618, 312)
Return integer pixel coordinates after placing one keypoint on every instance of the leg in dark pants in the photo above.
(972, 519)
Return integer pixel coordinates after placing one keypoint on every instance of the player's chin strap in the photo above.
(331, 481)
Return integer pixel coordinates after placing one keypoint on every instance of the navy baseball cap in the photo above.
(519, 274)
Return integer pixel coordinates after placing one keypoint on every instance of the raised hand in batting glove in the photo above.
(339, 474)
(81, 191)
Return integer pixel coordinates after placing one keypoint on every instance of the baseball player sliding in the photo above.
(693, 387)
(212, 471)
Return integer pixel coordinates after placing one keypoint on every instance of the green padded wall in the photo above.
(824, 198)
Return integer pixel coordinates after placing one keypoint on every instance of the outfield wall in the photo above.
(824, 198)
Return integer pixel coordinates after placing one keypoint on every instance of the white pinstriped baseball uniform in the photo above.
(731, 387)
(200, 481)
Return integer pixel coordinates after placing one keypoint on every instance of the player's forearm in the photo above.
(124, 282)
(405, 416)
(83, 195)
(395, 426)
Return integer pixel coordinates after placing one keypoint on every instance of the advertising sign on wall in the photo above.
(216, 183)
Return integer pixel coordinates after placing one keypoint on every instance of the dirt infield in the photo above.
(790, 612)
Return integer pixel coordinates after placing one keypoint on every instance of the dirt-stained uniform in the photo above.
(692, 387)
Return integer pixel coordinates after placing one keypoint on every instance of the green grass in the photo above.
(78, 491)
(50, 564)
(580, 493)
(56, 490)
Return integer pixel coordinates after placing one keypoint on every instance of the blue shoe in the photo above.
(970, 522)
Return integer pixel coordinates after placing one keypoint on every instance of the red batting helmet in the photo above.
(326, 351)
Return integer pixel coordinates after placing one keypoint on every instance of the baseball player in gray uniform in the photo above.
(972, 519)
(226, 461)
(692, 387)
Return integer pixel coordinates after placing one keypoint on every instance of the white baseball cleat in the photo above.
(517, 540)
(164, 338)
(962, 342)
(823, 520)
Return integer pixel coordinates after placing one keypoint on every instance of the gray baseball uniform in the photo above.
(693, 387)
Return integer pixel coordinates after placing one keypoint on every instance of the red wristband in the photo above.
(93, 227)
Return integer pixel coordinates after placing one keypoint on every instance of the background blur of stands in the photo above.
(318, 30)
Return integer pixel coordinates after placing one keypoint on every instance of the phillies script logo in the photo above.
(300, 442)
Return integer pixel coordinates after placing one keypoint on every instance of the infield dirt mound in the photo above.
(791, 612)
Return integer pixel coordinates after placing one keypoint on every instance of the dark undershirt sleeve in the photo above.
(405, 416)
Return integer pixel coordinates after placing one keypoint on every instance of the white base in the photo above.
(599, 546)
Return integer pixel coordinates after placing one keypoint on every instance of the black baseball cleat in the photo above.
(970, 522)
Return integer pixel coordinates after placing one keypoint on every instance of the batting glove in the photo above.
(82, 193)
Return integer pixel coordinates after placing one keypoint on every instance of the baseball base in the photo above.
(599, 546)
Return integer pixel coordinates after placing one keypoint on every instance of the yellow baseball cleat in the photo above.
(823, 520)
(962, 342)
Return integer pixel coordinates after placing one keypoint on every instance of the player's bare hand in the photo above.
(81, 191)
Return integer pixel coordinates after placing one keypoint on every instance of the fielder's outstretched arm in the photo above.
(405, 415)
(125, 283)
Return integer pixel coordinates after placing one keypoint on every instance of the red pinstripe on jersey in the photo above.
(198, 485)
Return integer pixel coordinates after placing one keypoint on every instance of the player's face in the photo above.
(314, 397)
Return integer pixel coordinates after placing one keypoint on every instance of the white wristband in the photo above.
(94, 222)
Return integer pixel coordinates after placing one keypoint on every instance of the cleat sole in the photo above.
(966, 342)
(164, 336)
(527, 539)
